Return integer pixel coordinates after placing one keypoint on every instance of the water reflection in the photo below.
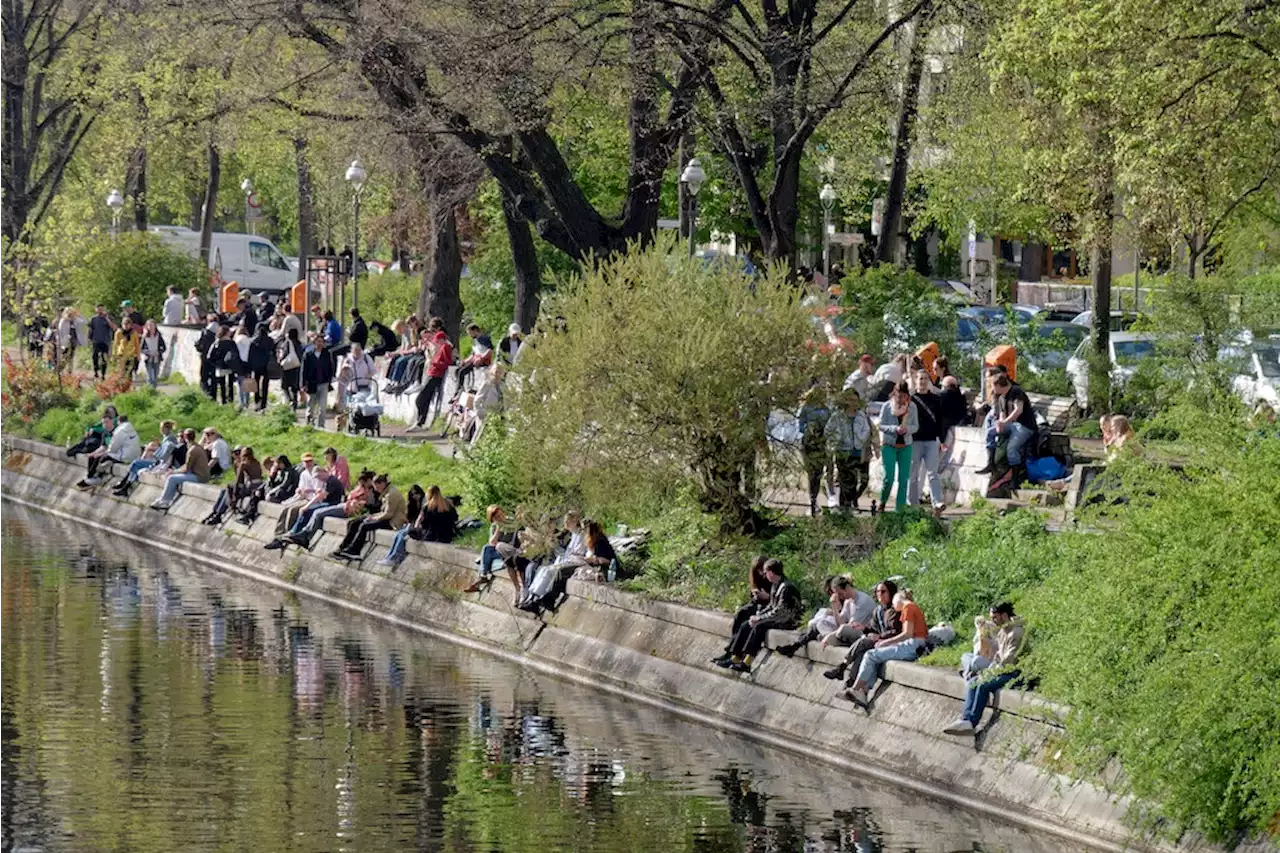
(151, 707)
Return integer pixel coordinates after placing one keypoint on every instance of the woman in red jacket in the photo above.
(438, 363)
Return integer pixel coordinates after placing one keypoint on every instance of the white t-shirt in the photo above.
(172, 310)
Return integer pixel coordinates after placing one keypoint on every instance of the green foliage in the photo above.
(134, 266)
(665, 368)
(389, 297)
(490, 475)
(490, 303)
(888, 309)
(32, 388)
(1170, 655)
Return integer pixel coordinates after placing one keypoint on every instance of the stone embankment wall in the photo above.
(652, 651)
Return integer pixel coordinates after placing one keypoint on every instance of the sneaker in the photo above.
(959, 727)
(414, 428)
(857, 695)
(161, 505)
(275, 545)
(724, 663)
(94, 481)
(740, 667)
(723, 659)
(834, 674)
(389, 561)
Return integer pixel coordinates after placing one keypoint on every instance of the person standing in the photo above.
(509, 347)
(812, 419)
(925, 443)
(289, 356)
(317, 374)
(171, 310)
(244, 377)
(127, 347)
(847, 433)
(204, 345)
(224, 361)
(127, 310)
(261, 354)
(860, 380)
(899, 421)
(954, 413)
(101, 335)
(153, 348)
(440, 358)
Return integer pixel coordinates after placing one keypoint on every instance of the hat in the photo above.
(237, 448)
(128, 303)
(514, 329)
(307, 457)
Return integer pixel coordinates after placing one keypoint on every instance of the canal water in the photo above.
(153, 706)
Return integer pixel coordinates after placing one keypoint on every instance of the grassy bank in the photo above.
(274, 432)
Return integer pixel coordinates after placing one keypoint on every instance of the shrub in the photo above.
(664, 369)
(887, 308)
(32, 389)
(136, 266)
(490, 473)
(389, 297)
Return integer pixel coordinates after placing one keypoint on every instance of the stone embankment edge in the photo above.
(648, 651)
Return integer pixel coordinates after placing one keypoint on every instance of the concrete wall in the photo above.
(651, 651)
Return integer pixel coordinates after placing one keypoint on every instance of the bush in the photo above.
(389, 297)
(32, 388)
(490, 473)
(888, 309)
(137, 266)
(665, 369)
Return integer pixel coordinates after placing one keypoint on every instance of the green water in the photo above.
(150, 706)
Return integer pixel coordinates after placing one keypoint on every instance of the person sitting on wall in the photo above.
(219, 452)
(981, 681)
(905, 645)
(758, 587)
(194, 470)
(337, 466)
(781, 613)
(415, 527)
(392, 515)
(849, 610)
(124, 448)
(502, 549)
(248, 480)
(280, 484)
(310, 490)
(601, 560)
(95, 436)
(161, 456)
(884, 622)
(333, 505)
(481, 355)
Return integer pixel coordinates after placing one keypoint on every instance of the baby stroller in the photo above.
(364, 411)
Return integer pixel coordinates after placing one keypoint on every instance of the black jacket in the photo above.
(390, 340)
(281, 485)
(225, 354)
(359, 332)
(784, 604)
(954, 411)
(317, 370)
(261, 352)
(929, 408)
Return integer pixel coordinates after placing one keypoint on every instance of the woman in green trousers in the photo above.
(899, 420)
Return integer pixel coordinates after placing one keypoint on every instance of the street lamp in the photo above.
(693, 177)
(356, 176)
(115, 201)
(828, 198)
(246, 187)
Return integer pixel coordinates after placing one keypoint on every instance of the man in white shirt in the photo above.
(171, 311)
(310, 489)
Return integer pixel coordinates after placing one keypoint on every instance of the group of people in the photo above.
(904, 412)
(580, 548)
(886, 625)
(307, 492)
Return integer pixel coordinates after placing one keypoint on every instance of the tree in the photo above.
(664, 369)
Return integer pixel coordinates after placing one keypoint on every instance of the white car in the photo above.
(1259, 382)
(1127, 350)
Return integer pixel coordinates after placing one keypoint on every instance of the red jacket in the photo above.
(442, 356)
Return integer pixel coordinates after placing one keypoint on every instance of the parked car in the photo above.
(1127, 350)
(996, 315)
(1259, 381)
(1056, 355)
(1121, 321)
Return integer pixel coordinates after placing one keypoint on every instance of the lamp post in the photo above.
(356, 176)
(246, 187)
(115, 201)
(693, 177)
(828, 198)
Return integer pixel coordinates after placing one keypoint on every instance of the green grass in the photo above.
(271, 433)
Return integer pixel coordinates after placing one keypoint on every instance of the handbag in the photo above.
(290, 360)
(249, 385)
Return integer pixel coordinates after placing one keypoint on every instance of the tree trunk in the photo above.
(1102, 214)
(890, 243)
(210, 207)
(1195, 250)
(439, 296)
(135, 186)
(306, 204)
(524, 255)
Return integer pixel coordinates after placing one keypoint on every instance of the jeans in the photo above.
(316, 405)
(989, 429)
(400, 544)
(971, 664)
(899, 458)
(1018, 435)
(153, 372)
(172, 485)
(977, 693)
(312, 519)
(870, 666)
(924, 464)
(137, 467)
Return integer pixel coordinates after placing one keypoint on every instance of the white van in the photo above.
(252, 262)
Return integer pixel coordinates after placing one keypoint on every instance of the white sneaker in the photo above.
(94, 481)
(959, 727)
(414, 428)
